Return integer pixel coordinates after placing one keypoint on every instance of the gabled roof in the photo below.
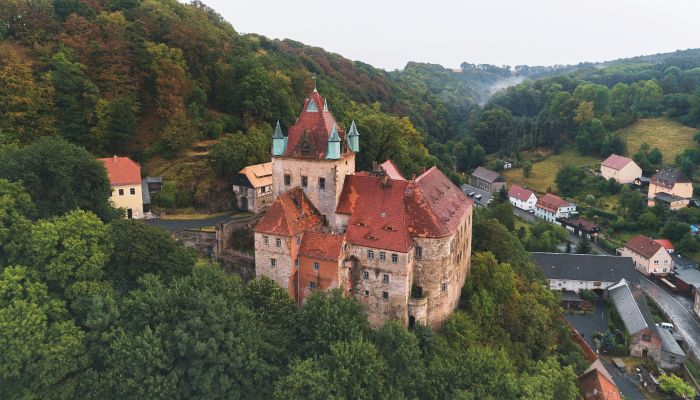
(586, 267)
(665, 243)
(598, 386)
(313, 128)
(122, 170)
(392, 170)
(258, 175)
(668, 177)
(628, 308)
(668, 342)
(551, 202)
(324, 246)
(616, 162)
(289, 214)
(520, 193)
(644, 246)
(487, 175)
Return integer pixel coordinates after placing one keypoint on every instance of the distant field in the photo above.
(669, 136)
(544, 172)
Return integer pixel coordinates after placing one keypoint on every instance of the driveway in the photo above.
(180, 224)
(685, 321)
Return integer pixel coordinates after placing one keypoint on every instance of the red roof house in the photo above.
(122, 171)
(595, 385)
(666, 244)
(520, 193)
(616, 162)
(551, 202)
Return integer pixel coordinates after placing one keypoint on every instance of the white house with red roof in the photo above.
(550, 207)
(401, 247)
(522, 198)
(125, 178)
(622, 169)
(649, 256)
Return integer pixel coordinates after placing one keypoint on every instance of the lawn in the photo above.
(544, 172)
(669, 136)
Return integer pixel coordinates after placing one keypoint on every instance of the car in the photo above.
(666, 325)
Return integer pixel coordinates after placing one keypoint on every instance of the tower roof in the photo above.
(353, 129)
(278, 132)
(334, 135)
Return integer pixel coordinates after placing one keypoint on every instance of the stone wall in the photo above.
(284, 271)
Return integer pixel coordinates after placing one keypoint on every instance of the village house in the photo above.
(487, 180)
(670, 186)
(650, 257)
(580, 227)
(125, 178)
(399, 246)
(522, 198)
(576, 272)
(595, 382)
(646, 339)
(252, 186)
(550, 207)
(621, 169)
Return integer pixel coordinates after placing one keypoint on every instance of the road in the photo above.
(684, 319)
(180, 224)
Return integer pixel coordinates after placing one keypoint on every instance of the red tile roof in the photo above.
(644, 246)
(616, 162)
(596, 386)
(393, 211)
(289, 214)
(665, 243)
(551, 202)
(392, 170)
(324, 246)
(519, 193)
(122, 170)
(314, 126)
(588, 226)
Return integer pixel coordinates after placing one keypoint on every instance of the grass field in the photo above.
(669, 136)
(544, 172)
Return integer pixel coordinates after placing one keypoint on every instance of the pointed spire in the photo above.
(334, 135)
(353, 129)
(278, 132)
(354, 138)
(325, 105)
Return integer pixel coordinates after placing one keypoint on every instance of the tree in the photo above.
(239, 150)
(584, 246)
(632, 203)
(613, 144)
(59, 177)
(357, 371)
(495, 125)
(503, 212)
(675, 230)
(307, 379)
(527, 169)
(16, 210)
(569, 179)
(675, 385)
(401, 352)
(116, 122)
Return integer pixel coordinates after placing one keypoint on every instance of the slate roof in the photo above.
(682, 262)
(668, 177)
(520, 192)
(586, 267)
(485, 196)
(257, 176)
(392, 170)
(324, 246)
(667, 197)
(551, 202)
(580, 223)
(689, 276)
(122, 170)
(628, 308)
(644, 246)
(668, 342)
(487, 175)
(289, 214)
(315, 128)
(616, 162)
(145, 194)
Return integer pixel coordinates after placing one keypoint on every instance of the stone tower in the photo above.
(316, 156)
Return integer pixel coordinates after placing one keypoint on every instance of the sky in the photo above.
(388, 34)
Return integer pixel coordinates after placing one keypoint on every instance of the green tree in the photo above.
(584, 246)
(16, 209)
(116, 123)
(400, 350)
(357, 370)
(503, 212)
(527, 169)
(494, 127)
(548, 380)
(632, 203)
(675, 385)
(569, 179)
(307, 379)
(239, 150)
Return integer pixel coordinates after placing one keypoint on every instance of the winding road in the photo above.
(180, 224)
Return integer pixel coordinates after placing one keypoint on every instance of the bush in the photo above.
(675, 385)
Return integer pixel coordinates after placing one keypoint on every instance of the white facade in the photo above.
(626, 174)
(576, 286)
(660, 263)
(562, 212)
(524, 205)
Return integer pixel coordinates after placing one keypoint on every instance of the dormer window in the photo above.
(305, 148)
(312, 107)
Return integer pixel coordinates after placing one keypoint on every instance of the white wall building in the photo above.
(522, 198)
(550, 207)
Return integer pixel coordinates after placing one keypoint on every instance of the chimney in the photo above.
(115, 158)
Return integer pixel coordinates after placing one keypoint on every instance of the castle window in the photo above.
(382, 255)
(419, 252)
(365, 274)
(132, 190)
(443, 286)
(287, 179)
(394, 258)
(273, 262)
(266, 240)
(278, 242)
(366, 292)
(322, 183)
(370, 254)
(316, 266)
(312, 285)
(385, 295)
(304, 181)
(385, 278)
(296, 262)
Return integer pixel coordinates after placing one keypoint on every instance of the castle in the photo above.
(402, 247)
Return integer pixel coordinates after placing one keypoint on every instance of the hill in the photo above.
(669, 136)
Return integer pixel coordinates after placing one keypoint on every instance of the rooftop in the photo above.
(324, 246)
(644, 246)
(616, 162)
(668, 342)
(668, 177)
(122, 170)
(520, 192)
(289, 214)
(255, 176)
(487, 175)
(628, 308)
(597, 386)
(392, 170)
(551, 202)
(682, 262)
(689, 276)
(667, 197)
(586, 267)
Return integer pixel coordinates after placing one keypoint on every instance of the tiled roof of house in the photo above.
(586, 267)
(313, 126)
(122, 170)
(392, 211)
(258, 175)
(324, 246)
(644, 246)
(668, 177)
(597, 386)
(289, 214)
(551, 202)
(392, 170)
(668, 342)
(665, 243)
(519, 192)
(487, 175)
(616, 162)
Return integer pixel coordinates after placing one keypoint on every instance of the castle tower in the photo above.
(315, 156)
(354, 138)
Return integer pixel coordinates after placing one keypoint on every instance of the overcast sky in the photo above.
(388, 34)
